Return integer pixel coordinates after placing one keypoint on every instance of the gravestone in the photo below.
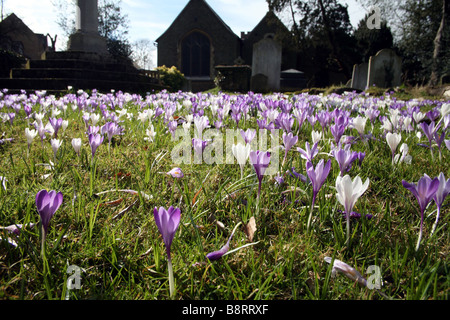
(87, 38)
(359, 78)
(385, 69)
(266, 61)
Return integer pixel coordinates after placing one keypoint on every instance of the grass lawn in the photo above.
(103, 239)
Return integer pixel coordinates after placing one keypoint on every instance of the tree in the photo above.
(440, 43)
(112, 23)
(370, 41)
(142, 51)
(325, 38)
(422, 33)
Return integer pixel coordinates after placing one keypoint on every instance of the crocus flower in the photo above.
(167, 222)
(393, 139)
(172, 126)
(76, 144)
(337, 131)
(216, 255)
(56, 124)
(359, 123)
(260, 161)
(248, 135)
(176, 173)
(424, 192)
(241, 153)
(47, 203)
(30, 134)
(317, 177)
(289, 141)
(200, 124)
(150, 132)
(55, 143)
(439, 197)
(345, 269)
(428, 130)
(308, 153)
(345, 158)
(95, 140)
(348, 192)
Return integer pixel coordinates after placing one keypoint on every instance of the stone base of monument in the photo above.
(87, 42)
(57, 71)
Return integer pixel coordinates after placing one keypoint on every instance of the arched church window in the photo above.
(195, 55)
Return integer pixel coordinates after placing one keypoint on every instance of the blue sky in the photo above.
(150, 18)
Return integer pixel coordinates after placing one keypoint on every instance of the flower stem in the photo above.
(171, 278)
(310, 212)
(435, 222)
(420, 232)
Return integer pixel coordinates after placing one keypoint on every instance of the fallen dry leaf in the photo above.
(250, 228)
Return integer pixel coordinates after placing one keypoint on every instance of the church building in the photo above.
(198, 40)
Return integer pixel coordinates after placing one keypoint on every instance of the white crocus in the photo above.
(241, 153)
(150, 132)
(393, 140)
(95, 118)
(418, 116)
(64, 125)
(403, 156)
(348, 192)
(56, 144)
(30, 134)
(445, 109)
(359, 123)
(316, 136)
(76, 144)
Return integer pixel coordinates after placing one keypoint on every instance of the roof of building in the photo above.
(188, 7)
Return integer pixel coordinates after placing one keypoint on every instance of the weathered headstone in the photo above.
(385, 69)
(87, 38)
(359, 79)
(267, 62)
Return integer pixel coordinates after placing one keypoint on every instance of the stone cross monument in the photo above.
(86, 38)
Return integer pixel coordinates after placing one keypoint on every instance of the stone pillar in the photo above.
(87, 38)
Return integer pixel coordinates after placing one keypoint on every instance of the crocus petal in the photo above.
(176, 173)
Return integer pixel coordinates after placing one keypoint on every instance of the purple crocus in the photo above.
(345, 158)
(56, 124)
(199, 146)
(95, 140)
(317, 176)
(260, 161)
(176, 173)
(248, 135)
(309, 153)
(428, 130)
(47, 203)
(168, 222)
(289, 141)
(440, 195)
(424, 192)
(216, 255)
